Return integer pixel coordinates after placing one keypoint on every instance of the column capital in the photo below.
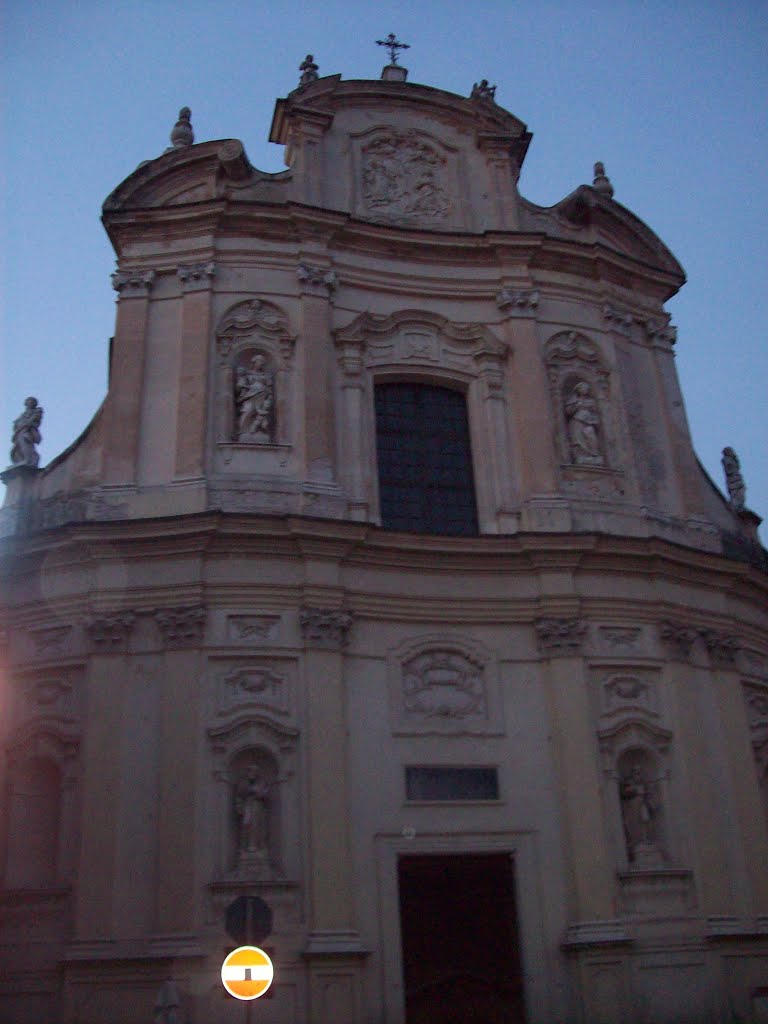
(317, 280)
(196, 276)
(325, 628)
(560, 637)
(131, 284)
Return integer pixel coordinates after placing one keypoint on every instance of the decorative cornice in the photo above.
(196, 276)
(621, 320)
(181, 627)
(326, 628)
(110, 632)
(558, 637)
(678, 637)
(133, 283)
(518, 302)
(319, 280)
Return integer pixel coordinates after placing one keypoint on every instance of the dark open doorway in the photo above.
(461, 960)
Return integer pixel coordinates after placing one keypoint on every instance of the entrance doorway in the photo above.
(461, 959)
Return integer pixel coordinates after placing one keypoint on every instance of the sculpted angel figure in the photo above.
(26, 434)
(251, 811)
(254, 400)
(583, 422)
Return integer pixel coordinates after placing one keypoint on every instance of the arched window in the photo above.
(35, 804)
(425, 460)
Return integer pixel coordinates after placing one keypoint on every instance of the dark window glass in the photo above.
(439, 783)
(425, 460)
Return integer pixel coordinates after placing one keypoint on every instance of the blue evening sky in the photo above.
(671, 96)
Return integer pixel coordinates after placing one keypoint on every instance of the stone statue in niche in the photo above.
(583, 420)
(640, 813)
(252, 812)
(254, 401)
(26, 435)
(734, 481)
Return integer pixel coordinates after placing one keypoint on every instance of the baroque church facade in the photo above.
(383, 613)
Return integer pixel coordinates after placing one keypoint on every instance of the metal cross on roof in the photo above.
(393, 46)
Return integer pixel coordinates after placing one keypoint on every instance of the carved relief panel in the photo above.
(405, 177)
(253, 684)
(444, 685)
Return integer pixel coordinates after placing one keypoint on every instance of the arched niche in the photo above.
(255, 346)
(579, 384)
(255, 826)
(254, 800)
(636, 759)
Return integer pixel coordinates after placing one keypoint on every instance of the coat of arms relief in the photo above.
(404, 179)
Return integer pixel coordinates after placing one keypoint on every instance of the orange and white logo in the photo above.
(247, 972)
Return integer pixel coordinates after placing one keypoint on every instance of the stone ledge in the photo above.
(334, 944)
(590, 934)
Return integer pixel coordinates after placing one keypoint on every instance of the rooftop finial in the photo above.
(308, 70)
(483, 91)
(393, 46)
(602, 183)
(181, 133)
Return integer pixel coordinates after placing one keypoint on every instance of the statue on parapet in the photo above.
(482, 91)
(308, 70)
(734, 481)
(26, 435)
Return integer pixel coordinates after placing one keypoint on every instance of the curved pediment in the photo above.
(327, 95)
(616, 227)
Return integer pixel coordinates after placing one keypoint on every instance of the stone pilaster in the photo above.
(122, 411)
(529, 391)
(179, 742)
(101, 782)
(688, 685)
(745, 830)
(196, 282)
(500, 454)
(354, 470)
(503, 170)
(325, 633)
(317, 283)
(578, 771)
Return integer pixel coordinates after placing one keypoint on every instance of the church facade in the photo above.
(383, 615)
